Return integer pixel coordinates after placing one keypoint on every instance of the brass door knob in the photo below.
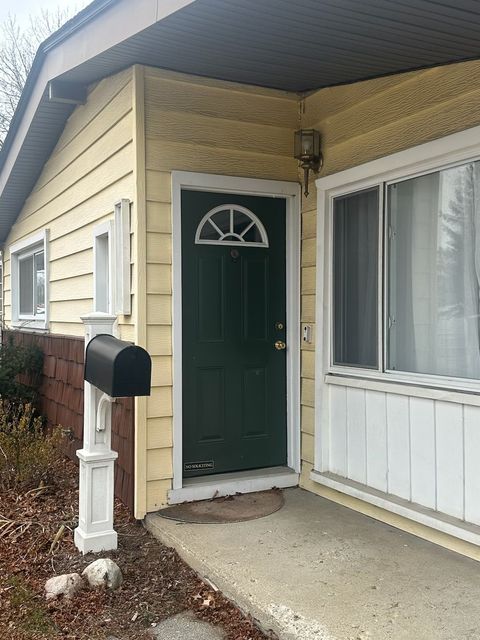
(280, 345)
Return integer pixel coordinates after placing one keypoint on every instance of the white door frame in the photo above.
(290, 191)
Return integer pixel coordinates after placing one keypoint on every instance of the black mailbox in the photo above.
(119, 369)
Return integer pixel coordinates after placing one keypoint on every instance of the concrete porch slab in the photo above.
(317, 570)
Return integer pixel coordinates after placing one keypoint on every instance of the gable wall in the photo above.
(202, 126)
(89, 170)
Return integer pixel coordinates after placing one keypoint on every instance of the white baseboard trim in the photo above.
(225, 484)
(417, 513)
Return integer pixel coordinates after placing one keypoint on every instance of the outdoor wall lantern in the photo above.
(307, 152)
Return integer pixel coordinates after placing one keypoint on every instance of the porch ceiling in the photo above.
(303, 45)
(298, 46)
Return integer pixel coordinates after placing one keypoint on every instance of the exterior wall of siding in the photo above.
(89, 170)
(359, 123)
(201, 126)
(142, 124)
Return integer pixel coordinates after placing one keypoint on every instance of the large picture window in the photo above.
(430, 294)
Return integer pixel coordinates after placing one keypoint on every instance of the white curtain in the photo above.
(434, 273)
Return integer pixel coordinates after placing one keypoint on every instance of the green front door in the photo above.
(234, 313)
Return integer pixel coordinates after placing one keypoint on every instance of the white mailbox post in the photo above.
(95, 525)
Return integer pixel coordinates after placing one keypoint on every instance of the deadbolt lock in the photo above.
(280, 345)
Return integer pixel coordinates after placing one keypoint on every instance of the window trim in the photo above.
(443, 153)
(99, 232)
(18, 251)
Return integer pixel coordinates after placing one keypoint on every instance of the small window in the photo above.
(231, 224)
(29, 282)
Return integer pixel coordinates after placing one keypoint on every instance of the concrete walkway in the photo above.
(316, 570)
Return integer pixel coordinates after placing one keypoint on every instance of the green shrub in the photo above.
(20, 360)
(28, 451)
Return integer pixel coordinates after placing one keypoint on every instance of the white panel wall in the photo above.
(423, 450)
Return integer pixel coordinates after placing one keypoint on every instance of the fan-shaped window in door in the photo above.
(231, 224)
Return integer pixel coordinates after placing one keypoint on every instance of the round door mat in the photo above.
(237, 508)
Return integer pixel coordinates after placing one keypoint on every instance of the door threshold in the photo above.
(226, 484)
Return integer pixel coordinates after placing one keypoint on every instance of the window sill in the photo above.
(30, 325)
(468, 396)
(427, 517)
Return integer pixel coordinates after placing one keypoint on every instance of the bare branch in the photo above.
(18, 45)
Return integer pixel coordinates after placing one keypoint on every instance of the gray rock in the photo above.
(63, 586)
(103, 573)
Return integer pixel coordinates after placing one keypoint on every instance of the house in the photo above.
(328, 340)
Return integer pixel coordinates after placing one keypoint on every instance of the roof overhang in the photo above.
(297, 46)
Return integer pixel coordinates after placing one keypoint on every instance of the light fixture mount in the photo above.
(307, 152)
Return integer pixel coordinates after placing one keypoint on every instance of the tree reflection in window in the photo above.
(231, 224)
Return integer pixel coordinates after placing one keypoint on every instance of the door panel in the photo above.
(233, 294)
(211, 277)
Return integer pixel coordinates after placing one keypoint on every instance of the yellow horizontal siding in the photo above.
(159, 217)
(308, 280)
(159, 186)
(159, 248)
(308, 308)
(159, 433)
(308, 419)
(163, 155)
(98, 105)
(308, 392)
(202, 126)
(408, 110)
(159, 278)
(71, 288)
(159, 340)
(309, 225)
(156, 493)
(159, 403)
(159, 464)
(96, 130)
(161, 371)
(308, 447)
(89, 170)
(308, 364)
(77, 215)
(75, 264)
(215, 99)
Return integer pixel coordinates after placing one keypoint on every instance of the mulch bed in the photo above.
(157, 583)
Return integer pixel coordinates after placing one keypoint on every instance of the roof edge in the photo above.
(76, 23)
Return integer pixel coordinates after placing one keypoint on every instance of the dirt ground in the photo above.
(36, 543)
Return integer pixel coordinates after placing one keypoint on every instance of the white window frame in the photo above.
(121, 286)
(100, 288)
(444, 153)
(23, 249)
